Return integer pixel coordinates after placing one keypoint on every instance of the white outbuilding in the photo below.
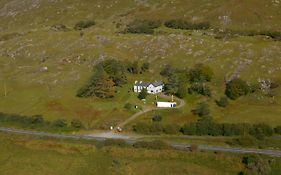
(166, 104)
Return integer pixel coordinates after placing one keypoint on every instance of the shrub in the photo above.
(222, 102)
(59, 123)
(142, 128)
(189, 129)
(236, 88)
(171, 129)
(84, 24)
(256, 165)
(261, 130)
(182, 24)
(157, 144)
(202, 110)
(115, 142)
(129, 106)
(37, 119)
(142, 26)
(75, 123)
(157, 118)
(277, 129)
(145, 66)
(201, 73)
(244, 141)
(200, 88)
(155, 128)
(143, 94)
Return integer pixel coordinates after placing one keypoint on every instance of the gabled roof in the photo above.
(146, 84)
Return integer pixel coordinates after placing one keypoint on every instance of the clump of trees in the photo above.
(137, 68)
(186, 25)
(142, 26)
(237, 88)
(84, 24)
(100, 85)
(178, 80)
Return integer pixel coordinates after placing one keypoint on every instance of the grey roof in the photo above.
(146, 84)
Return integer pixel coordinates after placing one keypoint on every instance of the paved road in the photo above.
(274, 153)
(148, 109)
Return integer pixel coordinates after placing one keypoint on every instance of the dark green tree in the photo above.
(201, 73)
(143, 94)
(236, 88)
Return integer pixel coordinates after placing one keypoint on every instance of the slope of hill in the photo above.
(41, 68)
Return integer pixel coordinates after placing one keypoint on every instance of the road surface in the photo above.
(274, 153)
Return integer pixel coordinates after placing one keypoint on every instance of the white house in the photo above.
(151, 87)
(166, 104)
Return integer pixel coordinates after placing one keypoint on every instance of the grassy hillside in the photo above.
(42, 156)
(29, 45)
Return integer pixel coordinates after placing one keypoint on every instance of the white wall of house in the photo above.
(151, 89)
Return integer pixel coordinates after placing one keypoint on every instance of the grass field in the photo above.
(51, 156)
(32, 46)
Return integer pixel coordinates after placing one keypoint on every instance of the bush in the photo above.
(115, 142)
(76, 123)
(59, 123)
(145, 66)
(84, 24)
(155, 128)
(129, 106)
(222, 102)
(157, 118)
(189, 129)
(201, 73)
(202, 110)
(277, 129)
(152, 145)
(200, 88)
(142, 128)
(142, 26)
(256, 165)
(244, 141)
(261, 130)
(182, 24)
(236, 88)
(171, 129)
(37, 119)
(143, 94)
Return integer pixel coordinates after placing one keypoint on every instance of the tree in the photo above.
(202, 110)
(143, 94)
(201, 73)
(182, 90)
(116, 70)
(236, 88)
(100, 85)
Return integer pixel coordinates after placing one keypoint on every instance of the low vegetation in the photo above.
(186, 25)
(84, 24)
(142, 26)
